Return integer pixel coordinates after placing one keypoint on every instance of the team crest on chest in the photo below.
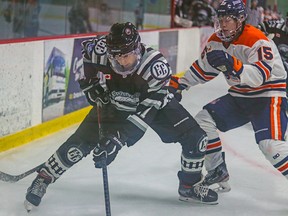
(100, 47)
(159, 70)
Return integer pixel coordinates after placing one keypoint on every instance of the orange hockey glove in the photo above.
(176, 88)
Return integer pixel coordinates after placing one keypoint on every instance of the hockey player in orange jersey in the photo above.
(253, 68)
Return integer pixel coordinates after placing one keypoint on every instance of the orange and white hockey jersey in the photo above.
(263, 74)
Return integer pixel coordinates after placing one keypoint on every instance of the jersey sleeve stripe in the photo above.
(123, 107)
(145, 65)
(268, 86)
(264, 68)
(153, 89)
(102, 60)
(148, 102)
(156, 83)
(197, 70)
(146, 70)
(267, 65)
(138, 122)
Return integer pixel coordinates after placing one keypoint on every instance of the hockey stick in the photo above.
(104, 165)
(14, 178)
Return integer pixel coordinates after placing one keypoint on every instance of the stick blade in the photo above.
(9, 178)
(15, 178)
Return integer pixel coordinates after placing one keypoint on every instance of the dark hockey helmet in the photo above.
(230, 9)
(122, 38)
(123, 41)
(234, 8)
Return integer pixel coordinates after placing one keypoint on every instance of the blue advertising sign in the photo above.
(75, 98)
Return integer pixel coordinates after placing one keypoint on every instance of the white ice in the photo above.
(143, 180)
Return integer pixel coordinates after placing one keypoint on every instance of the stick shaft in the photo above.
(104, 166)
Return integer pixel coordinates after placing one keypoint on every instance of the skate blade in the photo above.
(223, 187)
(28, 206)
(191, 200)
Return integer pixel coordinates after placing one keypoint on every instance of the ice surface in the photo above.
(143, 178)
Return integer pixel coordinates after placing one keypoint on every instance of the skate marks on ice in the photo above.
(143, 178)
(142, 183)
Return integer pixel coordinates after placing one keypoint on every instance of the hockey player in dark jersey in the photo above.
(130, 80)
(277, 30)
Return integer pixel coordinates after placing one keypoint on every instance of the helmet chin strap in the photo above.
(233, 33)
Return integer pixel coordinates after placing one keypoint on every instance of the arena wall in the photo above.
(26, 113)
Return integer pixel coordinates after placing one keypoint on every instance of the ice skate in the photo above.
(220, 177)
(198, 193)
(37, 190)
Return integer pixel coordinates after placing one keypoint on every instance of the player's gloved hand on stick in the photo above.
(224, 62)
(176, 88)
(94, 91)
(107, 147)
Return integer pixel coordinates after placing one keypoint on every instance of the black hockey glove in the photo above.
(224, 62)
(107, 147)
(94, 91)
(176, 88)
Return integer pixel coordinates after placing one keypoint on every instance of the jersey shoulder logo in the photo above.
(100, 47)
(160, 70)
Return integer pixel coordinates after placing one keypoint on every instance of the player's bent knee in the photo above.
(72, 151)
(68, 154)
(194, 143)
(206, 122)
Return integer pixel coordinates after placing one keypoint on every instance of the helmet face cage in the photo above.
(230, 9)
(122, 39)
(126, 70)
